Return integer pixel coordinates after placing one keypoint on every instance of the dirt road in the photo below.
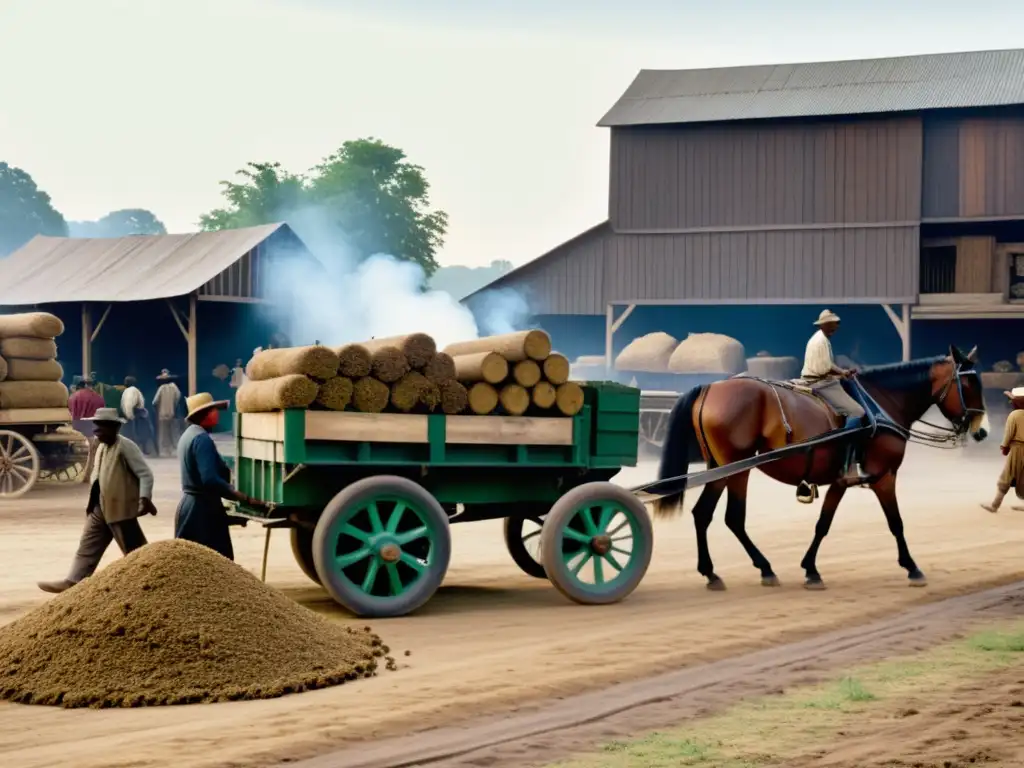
(494, 639)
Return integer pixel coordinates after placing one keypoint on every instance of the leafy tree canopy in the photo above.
(130, 221)
(25, 210)
(367, 191)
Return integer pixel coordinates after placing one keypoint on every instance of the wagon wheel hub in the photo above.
(390, 553)
(601, 545)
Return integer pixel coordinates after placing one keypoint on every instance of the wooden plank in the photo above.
(263, 426)
(974, 264)
(366, 427)
(509, 430)
(35, 416)
(261, 449)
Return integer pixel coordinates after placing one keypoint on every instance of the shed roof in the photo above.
(866, 86)
(50, 270)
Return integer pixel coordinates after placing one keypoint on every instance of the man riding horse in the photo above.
(826, 381)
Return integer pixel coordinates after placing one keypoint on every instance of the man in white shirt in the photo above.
(166, 403)
(825, 377)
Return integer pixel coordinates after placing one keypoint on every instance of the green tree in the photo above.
(129, 221)
(267, 193)
(25, 210)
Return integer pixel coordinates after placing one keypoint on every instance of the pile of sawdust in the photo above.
(176, 623)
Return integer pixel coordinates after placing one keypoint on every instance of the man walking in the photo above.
(121, 492)
(825, 378)
(166, 403)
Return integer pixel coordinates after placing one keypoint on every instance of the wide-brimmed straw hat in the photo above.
(202, 402)
(827, 316)
(106, 416)
(1015, 393)
(166, 375)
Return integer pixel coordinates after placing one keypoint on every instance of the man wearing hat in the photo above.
(84, 404)
(205, 480)
(825, 377)
(166, 403)
(1012, 447)
(122, 491)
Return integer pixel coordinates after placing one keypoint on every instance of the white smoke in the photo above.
(501, 310)
(352, 300)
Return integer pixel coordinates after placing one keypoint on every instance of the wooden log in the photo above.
(454, 397)
(28, 349)
(418, 348)
(556, 368)
(33, 394)
(569, 398)
(440, 369)
(263, 396)
(543, 394)
(370, 395)
(389, 364)
(335, 394)
(526, 373)
(354, 361)
(483, 398)
(316, 362)
(481, 366)
(414, 392)
(34, 325)
(522, 345)
(515, 399)
(33, 370)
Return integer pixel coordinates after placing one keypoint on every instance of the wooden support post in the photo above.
(901, 323)
(611, 326)
(86, 340)
(192, 346)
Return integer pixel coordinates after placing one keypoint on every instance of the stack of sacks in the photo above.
(649, 353)
(30, 376)
(708, 353)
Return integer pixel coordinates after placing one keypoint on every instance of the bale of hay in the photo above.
(335, 394)
(354, 361)
(413, 391)
(441, 368)
(33, 370)
(521, 345)
(3, 369)
(33, 394)
(483, 398)
(454, 397)
(526, 373)
(569, 398)
(316, 362)
(370, 395)
(418, 348)
(28, 349)
(543, 394)
(774, 368)
(162, 626)
(514, 399)
(649, 353)
(556, 368)
(708, 353)
(33, 325)
(389, 364)
(490, 367)
(263, 396)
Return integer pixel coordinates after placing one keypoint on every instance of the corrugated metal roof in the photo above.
(907, 83)
(63, 269)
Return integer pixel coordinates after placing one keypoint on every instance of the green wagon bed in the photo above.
(369, 498)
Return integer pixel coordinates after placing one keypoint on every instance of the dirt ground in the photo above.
(494, 640)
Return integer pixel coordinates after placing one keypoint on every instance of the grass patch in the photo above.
(771, 730)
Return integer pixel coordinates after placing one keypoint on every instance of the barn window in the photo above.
(938, 269)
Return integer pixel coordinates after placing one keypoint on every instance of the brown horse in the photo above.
(738, 418)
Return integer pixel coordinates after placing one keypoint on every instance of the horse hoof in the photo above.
(770, 581)
(918, 580)
(716, 585)
(816, 585)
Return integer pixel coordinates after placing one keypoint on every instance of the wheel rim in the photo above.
(18, 464)
(384, 546)
(600, 546)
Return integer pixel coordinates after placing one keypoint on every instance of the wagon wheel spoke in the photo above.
(598, 570)
(587, 513)
(412, 562)
(407, 537)
(607, 513)
(618, 528)
(528, 536)
(396, 516)
(355, 533)
(371, 575)
(350, 559)
(571, 533)
(394, 581)
(583, 561)
(376, 526)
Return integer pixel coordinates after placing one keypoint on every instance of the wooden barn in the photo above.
(744, 200)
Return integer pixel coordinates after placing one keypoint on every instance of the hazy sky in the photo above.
(149, 103)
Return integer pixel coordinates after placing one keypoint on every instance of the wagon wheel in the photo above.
(381, 547)
(653, 428)
(19, 465)
(596, 543)
(67, 474)
(522, 538)
(302, 549)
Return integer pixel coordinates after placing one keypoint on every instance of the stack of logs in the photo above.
(513, 374)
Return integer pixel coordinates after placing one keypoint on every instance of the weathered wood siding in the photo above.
(973, 166)
(766, 175)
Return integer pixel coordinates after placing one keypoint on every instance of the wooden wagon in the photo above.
(39, 444)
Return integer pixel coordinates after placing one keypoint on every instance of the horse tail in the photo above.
(680, 448)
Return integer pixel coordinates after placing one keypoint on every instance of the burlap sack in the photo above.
(33, 370)
(33, 394)
(708, 353)
(773, 368)
(36, 325)
(648, 353)
(28, 349)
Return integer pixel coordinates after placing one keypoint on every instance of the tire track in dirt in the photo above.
(579, 723)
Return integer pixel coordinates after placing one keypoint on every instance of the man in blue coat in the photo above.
(205, 480)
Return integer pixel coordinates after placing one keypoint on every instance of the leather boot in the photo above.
(994, 506)
(55, 587)
(852, 474)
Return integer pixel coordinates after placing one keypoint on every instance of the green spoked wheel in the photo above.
(596, 543)
(381, 547)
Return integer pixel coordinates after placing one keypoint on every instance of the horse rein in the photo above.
(950, 437)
